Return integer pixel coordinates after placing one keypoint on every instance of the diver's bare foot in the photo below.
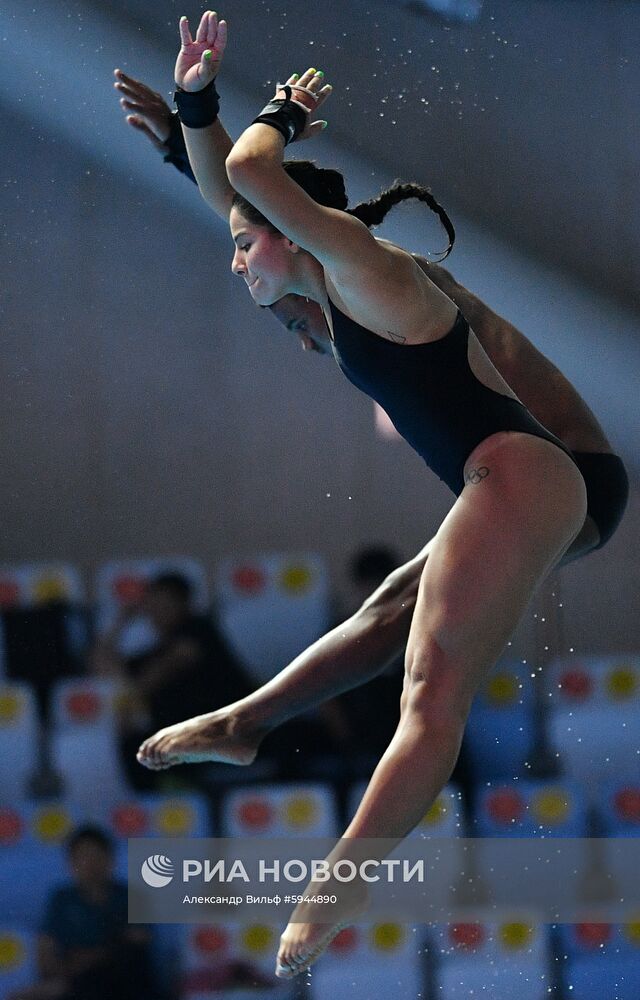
(211, 737)
(304, 942)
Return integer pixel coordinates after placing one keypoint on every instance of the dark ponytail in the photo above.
(326, 187)
(373, 212)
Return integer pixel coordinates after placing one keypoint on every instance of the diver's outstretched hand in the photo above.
(147, 111)
(199, 60)
(311, 92)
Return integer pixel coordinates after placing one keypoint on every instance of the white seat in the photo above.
(527, 809)
(593, 716)
(32, 857)
(30, 584)
(380, 960)
(88, 762)
(500, 731)
(272, 606)
(508, 957)
(282, 810)
(18, 968)
(154, 814)
(601, 977)
(591, 681)
(215, 953)
(85, 704)
(595, 743)
(84, 742)
(19, 740)
(600, 960)
(551, 808)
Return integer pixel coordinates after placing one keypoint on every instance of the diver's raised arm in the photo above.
(208, 143)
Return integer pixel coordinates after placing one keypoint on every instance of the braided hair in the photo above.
(326, 187)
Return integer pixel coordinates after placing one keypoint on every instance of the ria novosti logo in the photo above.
(157, 871)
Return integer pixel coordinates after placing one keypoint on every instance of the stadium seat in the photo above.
(527, 809)
(593, 715)
(591, 940)
(282, 810)
(19, 740)
(32, 857)
(220, 959)
(33, 584)
(18, 966)
(500, 732)
(85, 703)
(551, 808)
(84, 743)
(600, 960)
(508, 957)
(153, 814)
(272, 607)
(613, 978)
(618, 816)
(362, 962)
(619, 808)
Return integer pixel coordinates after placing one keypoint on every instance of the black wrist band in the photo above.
(284, 115)
(175, 142)
(199, 109)
(176, 150)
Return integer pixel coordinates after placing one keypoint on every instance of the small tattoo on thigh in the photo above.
(475, 476)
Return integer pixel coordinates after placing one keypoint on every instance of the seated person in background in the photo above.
(190, 664)
(86, 948)
(368, 567)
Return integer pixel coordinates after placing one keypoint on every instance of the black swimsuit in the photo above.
(431, 394)
(604, 473)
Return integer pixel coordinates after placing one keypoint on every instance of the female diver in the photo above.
(520, 496)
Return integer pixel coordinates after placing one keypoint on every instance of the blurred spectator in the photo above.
(188, 671)
(368, 568)
(86, 949)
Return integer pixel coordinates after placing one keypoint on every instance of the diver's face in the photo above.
(263, 257)
(305, 318)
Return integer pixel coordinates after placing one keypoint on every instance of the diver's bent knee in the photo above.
(440, 711)
(437, 685)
